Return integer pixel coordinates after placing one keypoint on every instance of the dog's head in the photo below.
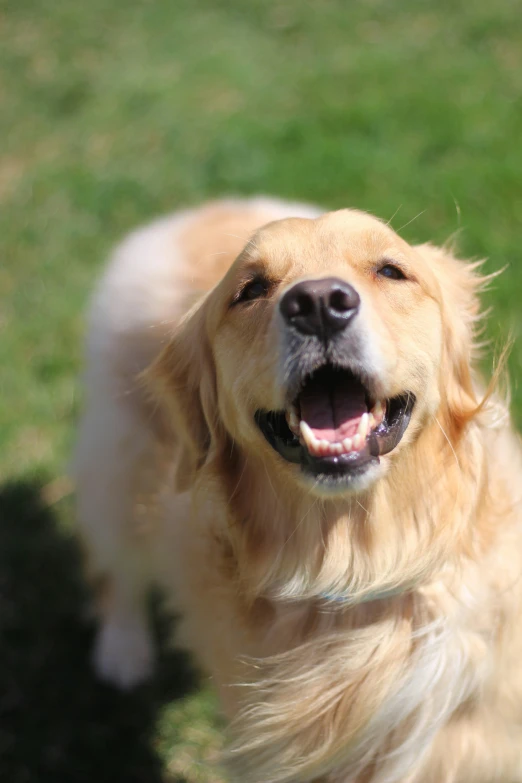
(325, 349)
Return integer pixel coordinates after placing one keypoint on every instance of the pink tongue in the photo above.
(333, 406)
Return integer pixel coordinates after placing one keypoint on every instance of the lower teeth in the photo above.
(368, 422)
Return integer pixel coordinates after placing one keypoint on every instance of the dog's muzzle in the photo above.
(332, 425)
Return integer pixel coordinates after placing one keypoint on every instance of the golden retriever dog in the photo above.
(285, 431)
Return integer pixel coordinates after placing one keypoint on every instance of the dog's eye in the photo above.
(391, 272)
(253, 290)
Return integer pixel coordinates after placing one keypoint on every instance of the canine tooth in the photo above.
(308, 436)
(357, 442)
(371, 421)
(378, 412)
(294, 413)
(362, 429)
(347, 443)
(292, 419)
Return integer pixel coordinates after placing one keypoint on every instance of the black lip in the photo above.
(381, 441)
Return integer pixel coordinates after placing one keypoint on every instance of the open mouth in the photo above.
(333, 428)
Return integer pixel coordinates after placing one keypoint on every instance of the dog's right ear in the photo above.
(183, 380)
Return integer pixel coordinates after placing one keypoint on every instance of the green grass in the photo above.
(112, 112)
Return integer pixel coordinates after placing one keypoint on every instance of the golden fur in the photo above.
(415, 674)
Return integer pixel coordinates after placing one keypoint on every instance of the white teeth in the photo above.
(320, 447)
(307, 435)
(378, 414)
(326, 448)
(292, 419)
(362, 429)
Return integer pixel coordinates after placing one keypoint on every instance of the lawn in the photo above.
(113, 112)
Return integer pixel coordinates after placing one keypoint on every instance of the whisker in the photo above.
(236, 236)
(411, 221)
(394, 214)
(449, 443)
(457, 209)
(238, 482)
(270, 481)
(296, 528)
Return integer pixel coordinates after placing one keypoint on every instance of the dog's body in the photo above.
(356, 597)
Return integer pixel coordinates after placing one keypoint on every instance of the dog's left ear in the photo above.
(461, 285)
(183, 380)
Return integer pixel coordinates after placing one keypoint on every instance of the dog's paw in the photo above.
(124, 652)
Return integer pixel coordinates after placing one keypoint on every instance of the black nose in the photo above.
(320, 307)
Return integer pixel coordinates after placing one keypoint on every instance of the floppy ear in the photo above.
(460, 285)
(183, 379)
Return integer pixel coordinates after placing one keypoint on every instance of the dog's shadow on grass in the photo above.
(58, 724)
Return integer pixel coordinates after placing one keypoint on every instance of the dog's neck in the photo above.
(290, 546)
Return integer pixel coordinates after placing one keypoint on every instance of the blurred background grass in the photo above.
(113, 112)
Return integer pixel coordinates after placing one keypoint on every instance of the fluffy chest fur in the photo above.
(360, 689)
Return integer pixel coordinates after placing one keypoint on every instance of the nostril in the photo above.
(305, 305)
(299, 304)
(340, 301)
(344, 299)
